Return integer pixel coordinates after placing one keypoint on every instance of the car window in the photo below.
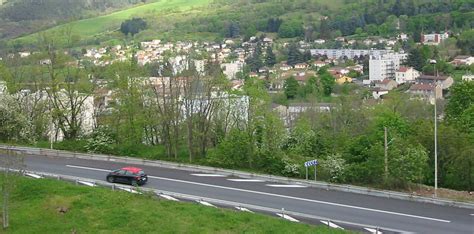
(121, 172)
(141, 173)
(129, 173)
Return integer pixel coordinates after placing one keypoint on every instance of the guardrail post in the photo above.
(75, 181)
(113, 187)
(329, 221)
(283, 212)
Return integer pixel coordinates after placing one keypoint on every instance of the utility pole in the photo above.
(386, 153)
(435, 130)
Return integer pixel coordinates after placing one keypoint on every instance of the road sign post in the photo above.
(309, 164)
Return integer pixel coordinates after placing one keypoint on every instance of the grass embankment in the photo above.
(111, 22)
(35, 208)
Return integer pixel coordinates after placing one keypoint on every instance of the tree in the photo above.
(233, 30)
(15, 126)
(270, 58)
(291, 87)
(335, 165)
(327, 82)
(460, 105)
(133, 26)
(416, 59)
(466, 42)
(294, 55)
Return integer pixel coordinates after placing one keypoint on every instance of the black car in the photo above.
(128, 175)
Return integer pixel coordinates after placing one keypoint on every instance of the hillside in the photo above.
(19, 17)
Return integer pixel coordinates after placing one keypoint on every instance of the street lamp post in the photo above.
(435, 130)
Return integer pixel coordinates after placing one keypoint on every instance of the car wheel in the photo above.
(110, 179)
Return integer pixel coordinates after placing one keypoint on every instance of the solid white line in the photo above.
(288, 197)
(245, 180)
(168, 197)
(286, 186)
(287, 217)
(208, 175)
(88, 168)
(86, 183)
(330, 224)
(371, 230)
(243, 209)
(206, 203)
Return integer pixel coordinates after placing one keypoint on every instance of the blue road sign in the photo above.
(311, 163)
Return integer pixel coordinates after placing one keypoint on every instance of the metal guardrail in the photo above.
(271, 178)
(187, 197)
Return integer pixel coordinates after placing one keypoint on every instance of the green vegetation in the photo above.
(49, 206)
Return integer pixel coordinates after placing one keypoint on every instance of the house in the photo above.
(426, 91)
(284, 67)
(386, 84)
(406, 74)
(403, 37)
(463, 60)
(319, 41)
(444, 81)
(253, 74)
(377, 92)
(3, 87)
(301, 66)
(357, 68)
(319, 64)
(343, 79)
(468, 77)
(303, 77)
(338, 71)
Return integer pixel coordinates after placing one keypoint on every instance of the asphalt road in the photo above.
(386, 213)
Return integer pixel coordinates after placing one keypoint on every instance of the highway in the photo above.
(389, 214)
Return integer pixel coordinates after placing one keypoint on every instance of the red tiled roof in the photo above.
(403, 69)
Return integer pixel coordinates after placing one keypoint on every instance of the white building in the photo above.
(231, 69)
(350, 53)
(384, 66)
(406, 74)
(434, 38)
(3, 87)
(468, 77)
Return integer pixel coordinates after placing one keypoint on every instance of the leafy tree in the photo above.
(466, 42)
(460, 105)
(233, 30)
(273, 24)
(291, 87)
(133, 26)
(335, 165)
(327, 82)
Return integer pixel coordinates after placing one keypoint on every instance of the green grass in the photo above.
(111, 22)
(35, 203)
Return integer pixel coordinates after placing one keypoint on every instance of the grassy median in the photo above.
(50, 206)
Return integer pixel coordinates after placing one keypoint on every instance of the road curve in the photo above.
(406, 216)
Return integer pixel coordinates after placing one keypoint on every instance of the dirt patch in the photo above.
(428, 191)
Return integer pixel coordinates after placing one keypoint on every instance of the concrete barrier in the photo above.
(270, 178)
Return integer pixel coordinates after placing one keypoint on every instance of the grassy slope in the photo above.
(93, 26)
(35, 203)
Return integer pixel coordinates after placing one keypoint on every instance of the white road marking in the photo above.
(129, 190)
(245, 180)
(208, 175)
(206, 203)
(168, 197)
(374, 231)
(243, 209)
(33, 175)
(287, 217)
(287, 197)
(286, 186)
(330, 224)
(86, 183)
(88, 168)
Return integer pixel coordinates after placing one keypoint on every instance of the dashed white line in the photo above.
(287, 197)
(245, 180)
(374, 231)
(206, 203)
(330, 224)
(287, 217)
(168, 197)
(243, 209)
(286, 185)
(208, 175)
(88, 168)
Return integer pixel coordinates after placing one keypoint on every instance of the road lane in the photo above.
(179, 181)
